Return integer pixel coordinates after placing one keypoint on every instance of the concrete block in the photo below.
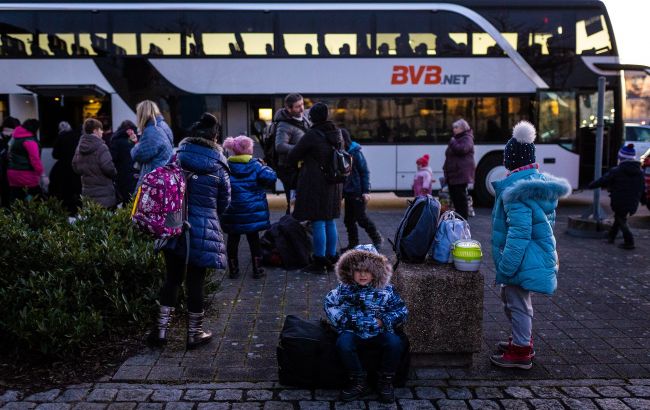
(445, 305)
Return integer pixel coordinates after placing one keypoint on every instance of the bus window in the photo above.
(126, 44)
(256, 42)
(557, 114)
(484, 44)
(168, 44)
(588, 109)
(92, 44)
(592, 36)
(58, 45)
(16, 45)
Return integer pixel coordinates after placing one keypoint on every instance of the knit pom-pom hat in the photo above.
(627, 153)
(520, 149)
(423, 161)
(239, 145)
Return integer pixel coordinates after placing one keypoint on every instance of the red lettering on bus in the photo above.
(404, 74)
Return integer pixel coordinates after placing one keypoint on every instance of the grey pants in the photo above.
(518, 307)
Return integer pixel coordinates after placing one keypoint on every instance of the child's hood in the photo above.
(537, 187)
(358, 260)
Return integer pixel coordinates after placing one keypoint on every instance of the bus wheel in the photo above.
(489, 169)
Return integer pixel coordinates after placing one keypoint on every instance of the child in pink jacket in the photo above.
(423, 179)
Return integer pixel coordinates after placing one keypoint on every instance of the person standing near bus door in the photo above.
(8, 126)
(459, 165)
(291, 126)
(65, 184)
(155, 146)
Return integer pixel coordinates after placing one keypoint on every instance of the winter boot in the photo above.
(516, 356)
(385, 388)
(376, 239)
(318, 265)
(258, 271)
(331, 262)
(233, 268)
(196, 336)
(357, 388)
(502, 347)
(626, 245)
(158, 335)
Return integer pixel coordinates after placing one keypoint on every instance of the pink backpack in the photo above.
(160, 208)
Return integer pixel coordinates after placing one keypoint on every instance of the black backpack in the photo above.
(339, 167)
(268, 145)
(417, 230)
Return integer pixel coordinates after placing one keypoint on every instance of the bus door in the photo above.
(248, 117)
(586, 135)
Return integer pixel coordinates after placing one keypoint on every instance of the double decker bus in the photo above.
(396, 74)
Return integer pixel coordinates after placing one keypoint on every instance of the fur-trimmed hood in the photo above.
(201, 156)
(201, 141)
(538, 187)
(358, 260)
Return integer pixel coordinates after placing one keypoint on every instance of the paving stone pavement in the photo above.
(596, 325)
(590, 340)
(605, 394)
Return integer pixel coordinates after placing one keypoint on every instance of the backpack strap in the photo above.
(186, 223)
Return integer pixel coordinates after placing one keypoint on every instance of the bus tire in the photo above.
(482, 194)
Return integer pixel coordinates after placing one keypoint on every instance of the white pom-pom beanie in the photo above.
(520, 149)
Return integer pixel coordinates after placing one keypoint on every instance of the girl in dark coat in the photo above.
(121, 143)
(459, 165)
(248, 212)
(317, 199)
(65, 184)
(208, 196)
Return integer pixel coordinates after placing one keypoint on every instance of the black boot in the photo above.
(233, 268)
(357, 388)
(196, 336)
(377, 239)
(318, 265)
(332, 262)
(385, 388)
(258, 271)
(158, 335)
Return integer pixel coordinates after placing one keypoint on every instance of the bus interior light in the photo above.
(265, 114)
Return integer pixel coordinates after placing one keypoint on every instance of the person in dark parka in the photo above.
(317, 199)
(7, 129)
(65, 184)
(121, 143)
(248, 212)
(92, 160)
(626, 189)
(459, 165)
(208, 196)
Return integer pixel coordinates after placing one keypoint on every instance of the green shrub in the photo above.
(64, 285)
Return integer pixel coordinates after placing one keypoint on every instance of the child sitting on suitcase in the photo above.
(365, 310)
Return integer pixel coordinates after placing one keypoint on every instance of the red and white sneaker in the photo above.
(514, 357)
(503, 346)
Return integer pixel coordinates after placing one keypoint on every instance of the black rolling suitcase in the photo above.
(307, 356)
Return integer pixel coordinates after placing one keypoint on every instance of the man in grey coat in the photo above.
(291, 126)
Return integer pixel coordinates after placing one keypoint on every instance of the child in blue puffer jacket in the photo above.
(249, 211)
(365, 311)
(523, 244)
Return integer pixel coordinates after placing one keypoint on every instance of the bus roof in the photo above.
(467, 3)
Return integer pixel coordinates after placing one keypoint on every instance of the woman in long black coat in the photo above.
(65, 184)
(317, 199)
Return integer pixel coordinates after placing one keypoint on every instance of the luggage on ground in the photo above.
(307, 356)
(287, 243)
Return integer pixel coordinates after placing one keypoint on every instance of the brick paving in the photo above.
(590, 339)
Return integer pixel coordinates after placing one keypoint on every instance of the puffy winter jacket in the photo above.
(155, 147)
(358, 183)
(459, 159)
(355, 308)
(208, 197)
(626, 186)
(523, 244)
(287, 134)
(92, 160)
(25, 167)
(248, 210)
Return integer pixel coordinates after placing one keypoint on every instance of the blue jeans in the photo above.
(518, 307)
(325, 237)
(391, 350)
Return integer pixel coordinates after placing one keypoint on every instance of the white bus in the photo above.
(396, 74)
